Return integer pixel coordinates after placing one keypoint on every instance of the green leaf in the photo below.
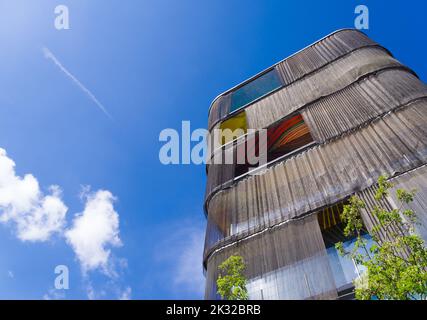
(231, 282)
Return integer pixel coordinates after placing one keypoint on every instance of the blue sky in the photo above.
(152, 64)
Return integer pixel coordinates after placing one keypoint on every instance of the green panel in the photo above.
(255, 89)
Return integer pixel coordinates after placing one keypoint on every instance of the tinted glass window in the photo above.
(255, 89)
(344, 269)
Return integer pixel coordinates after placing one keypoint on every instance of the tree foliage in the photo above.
(396, 265)
(231, 282)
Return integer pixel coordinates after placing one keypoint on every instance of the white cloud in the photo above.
(10, 274)
(36, 216)
(90, 291)
(54, 294)
(126, 294)
(188, 272)
(94, 231)
(180, 253)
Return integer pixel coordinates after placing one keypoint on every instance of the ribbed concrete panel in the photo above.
(304, 62)
(367, 115)
(416, 179)
(319, 176)
(369, 219)
(412, 180)
(340, 74)
(220, 108)
(345, 110)
(321, 53)
(287, 262)
(365, 100)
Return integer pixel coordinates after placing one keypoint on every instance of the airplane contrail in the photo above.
(49, 55)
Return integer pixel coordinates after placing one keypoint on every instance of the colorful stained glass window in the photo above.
(288, 135)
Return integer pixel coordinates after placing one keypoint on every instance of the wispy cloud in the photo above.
(49, 55)
(180, 252)
(126, 294)
(188, 274)
(54, 294)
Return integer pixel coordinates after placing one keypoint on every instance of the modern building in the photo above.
(338, 114)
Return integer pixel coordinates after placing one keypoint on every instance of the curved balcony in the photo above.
(393, 143)
(288, 71)
(346, 109)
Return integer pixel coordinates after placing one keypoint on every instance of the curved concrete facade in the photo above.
(360, 114)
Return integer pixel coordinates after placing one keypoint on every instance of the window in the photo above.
(283, 138)
(255, 89)
(344, 269)
(287, 136)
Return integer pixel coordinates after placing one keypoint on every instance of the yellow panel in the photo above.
(237, 125)
(330, 216)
